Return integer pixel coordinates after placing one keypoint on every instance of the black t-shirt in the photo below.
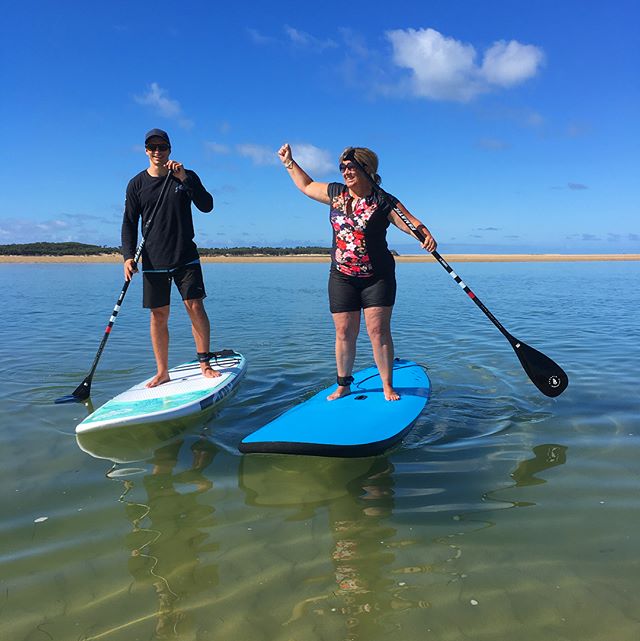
(169, 242)
(360, 232)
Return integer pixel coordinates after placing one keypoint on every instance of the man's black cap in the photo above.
(159, 133)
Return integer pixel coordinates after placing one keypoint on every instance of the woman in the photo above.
(362, 275)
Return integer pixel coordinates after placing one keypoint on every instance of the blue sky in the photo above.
(503, 125)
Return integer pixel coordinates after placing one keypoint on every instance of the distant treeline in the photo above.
(56, 249)
(82, 249)
(262, 251)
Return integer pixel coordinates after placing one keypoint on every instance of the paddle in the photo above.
(544, 373)
(83, 391)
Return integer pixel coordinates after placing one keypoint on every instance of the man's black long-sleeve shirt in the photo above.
(169, 241)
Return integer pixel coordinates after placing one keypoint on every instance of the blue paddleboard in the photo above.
(361, 424)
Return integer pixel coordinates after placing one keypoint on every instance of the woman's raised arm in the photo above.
(302, 180)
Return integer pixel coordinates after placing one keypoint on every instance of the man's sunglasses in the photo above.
(160, 147)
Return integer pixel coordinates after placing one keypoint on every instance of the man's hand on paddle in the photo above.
(177, 168)
(130, 268)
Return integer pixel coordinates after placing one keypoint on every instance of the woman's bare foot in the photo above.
(390, 394)
(343, 390)
(158, 379)
(208, 372)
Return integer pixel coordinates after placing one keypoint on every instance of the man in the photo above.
(169, 253)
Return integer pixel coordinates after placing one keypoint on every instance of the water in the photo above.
(503, 515)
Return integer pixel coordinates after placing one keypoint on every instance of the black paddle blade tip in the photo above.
(544, 373)
(79, 395)
(69, 398)
(554, 385)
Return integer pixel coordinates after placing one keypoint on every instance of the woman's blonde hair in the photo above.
(367, 158)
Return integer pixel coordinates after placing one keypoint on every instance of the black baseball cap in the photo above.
(159, 133)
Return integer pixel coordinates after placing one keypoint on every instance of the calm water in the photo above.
(503, 515)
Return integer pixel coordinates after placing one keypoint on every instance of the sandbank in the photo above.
(316, 258)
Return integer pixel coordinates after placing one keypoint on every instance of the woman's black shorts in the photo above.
(156, 286)
(352, 293)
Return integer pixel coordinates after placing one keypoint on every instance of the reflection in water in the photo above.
(169, 532)
(377, 559)
(358, 497)
(545, 457)
(137, 443)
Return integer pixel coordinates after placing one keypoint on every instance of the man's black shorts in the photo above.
(351, 293)
(156, 286)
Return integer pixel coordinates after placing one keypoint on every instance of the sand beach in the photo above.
(316, 258)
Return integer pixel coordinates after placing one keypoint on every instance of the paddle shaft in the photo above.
(467, 290)
(420, 236)
(83, 390)
(543, 372)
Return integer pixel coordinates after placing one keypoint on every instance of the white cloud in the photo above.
(259, 154)
(509, 63)
(258, 38)
(158, 99)
(313, 159)
(306, 40)
(217, 148)
(443, 68)
(29, 231)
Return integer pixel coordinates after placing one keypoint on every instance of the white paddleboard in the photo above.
(187, 393)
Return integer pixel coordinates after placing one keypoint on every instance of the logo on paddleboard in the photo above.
(555, 381)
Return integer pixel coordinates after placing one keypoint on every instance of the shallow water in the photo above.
(504, 513)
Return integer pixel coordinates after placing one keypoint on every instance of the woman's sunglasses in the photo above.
(158, 147)
(344, 167)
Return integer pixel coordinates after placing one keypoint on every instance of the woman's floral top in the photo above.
(359, 233)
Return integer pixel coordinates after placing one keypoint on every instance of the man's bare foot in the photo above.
(208, 371)
(343, 390)
(158, 379)
(390, 394)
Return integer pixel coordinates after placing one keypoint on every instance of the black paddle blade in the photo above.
(544, 373)
(79, 395)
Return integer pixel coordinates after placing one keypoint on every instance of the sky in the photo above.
(503, 125)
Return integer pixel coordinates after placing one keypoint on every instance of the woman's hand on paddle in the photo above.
(178, 169)
(285, 154)
(130, 268)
